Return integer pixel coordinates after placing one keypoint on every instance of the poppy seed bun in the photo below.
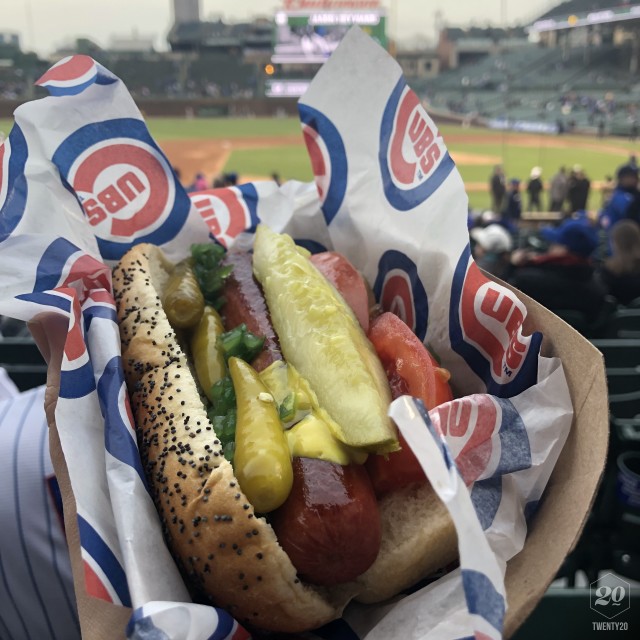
(221, 547)
(225, 553)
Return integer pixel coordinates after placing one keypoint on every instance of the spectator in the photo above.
(607, 189)
(563, 277)
(498, 188)
(621, 272)
(35, 565)
(558, 190)
(230, 179)
(625, 199)
(199, 184)
(487, 217)
(534, 189)
(578, 189)
(513, 207)
(492, 249)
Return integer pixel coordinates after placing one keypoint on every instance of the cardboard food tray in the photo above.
(553, 532)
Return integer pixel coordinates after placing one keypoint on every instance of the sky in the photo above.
(44, 25)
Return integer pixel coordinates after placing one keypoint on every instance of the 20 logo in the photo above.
(610, 596)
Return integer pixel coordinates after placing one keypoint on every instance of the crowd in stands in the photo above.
(568, 191)
(582, 265)
(228, 179)
(13, 90)
(200, 182)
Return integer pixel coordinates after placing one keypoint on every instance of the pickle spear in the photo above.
(321, 337)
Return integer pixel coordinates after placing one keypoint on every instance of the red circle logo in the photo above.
(469, 424)
(69, 70)
(126, 188)
(414, 149)
(320, 162)
(397, 296)
(491, 318)
(224, 211)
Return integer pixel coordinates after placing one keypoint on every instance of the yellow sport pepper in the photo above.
(262, 461)
(207, 355)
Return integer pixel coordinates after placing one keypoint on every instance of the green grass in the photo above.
(290, 161)
(598, 162)
(221, 128)
(5, 125)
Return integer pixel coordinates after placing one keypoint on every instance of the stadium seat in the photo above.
(575, 319)
(623, 379)
(625, 405)
(24, 363)
(625, 323)
(634, 304)
(597, 328)
(619, 352)
(625, 434)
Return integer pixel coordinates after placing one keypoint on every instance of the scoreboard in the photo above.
(308, 31)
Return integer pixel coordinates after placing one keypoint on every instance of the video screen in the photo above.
(312, 37)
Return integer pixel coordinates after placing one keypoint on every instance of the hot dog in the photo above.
(330, 524)
(229, 554)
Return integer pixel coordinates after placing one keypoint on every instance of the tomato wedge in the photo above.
(411, 370)
(347, 280)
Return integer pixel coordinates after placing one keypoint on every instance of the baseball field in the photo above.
(257, 148)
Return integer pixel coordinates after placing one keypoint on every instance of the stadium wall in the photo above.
(189, 107)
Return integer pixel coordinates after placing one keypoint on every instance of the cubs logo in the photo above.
(487, 438)
(413, 159)
(328, 159)
(485, 328)
(73, 74)
(228, 211)
(398, 289)
(469, 424)
(125, 184)
(119, 432)
(64, 265)
(13, 183)
(104, 574)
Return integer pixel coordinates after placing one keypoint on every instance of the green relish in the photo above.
(209, 271)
